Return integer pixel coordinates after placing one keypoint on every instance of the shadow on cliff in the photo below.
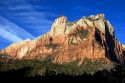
(110, 45)
(116, 75)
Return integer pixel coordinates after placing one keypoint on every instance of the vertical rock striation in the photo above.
(90, 37)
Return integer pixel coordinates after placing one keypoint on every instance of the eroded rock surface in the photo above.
(90, 37)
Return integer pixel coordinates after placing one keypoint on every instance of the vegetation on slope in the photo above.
(46, 67)
(44, 70)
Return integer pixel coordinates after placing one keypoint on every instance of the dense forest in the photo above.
(45, 70)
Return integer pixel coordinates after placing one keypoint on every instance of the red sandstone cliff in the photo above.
(90, 37)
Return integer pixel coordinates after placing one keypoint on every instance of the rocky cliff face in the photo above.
(90, 37)
(123, 46)
(123, 49)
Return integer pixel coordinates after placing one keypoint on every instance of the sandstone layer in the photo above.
(90, 37)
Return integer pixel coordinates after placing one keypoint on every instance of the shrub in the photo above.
(71, 23)
(51, 45)
(82, 33)
(46, 67)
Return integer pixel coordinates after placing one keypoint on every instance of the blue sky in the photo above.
(27, 19)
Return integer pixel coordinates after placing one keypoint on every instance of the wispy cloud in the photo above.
(12, 32)
(21, 19)
(34, 18)
(9, 36)
(22, 7)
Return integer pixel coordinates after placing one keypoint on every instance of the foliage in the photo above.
(51, 45)
(71, 23)
(46, 67)
(6, 56)
(82, 33)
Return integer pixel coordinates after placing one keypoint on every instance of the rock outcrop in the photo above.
(123, 46)
(123, 49)
(90, 37)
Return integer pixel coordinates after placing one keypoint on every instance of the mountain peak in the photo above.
(61, 26)
(98, 16)
(60, 20)
(58, 26)
(90, 37)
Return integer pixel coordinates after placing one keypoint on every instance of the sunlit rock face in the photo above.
(89, 37)
(123, 49)
(123, 46)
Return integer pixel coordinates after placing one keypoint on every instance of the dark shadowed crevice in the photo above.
(110, 45)
(124, 53)
(124, 57)
(50, 39)
(98, 37)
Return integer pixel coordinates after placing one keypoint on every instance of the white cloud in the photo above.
(12, 32)
(9, 36)
(23, 7)
(32, 17)
(36, 21)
